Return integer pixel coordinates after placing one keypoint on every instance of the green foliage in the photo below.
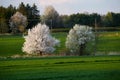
(5, 14)
(82, 19)
(61, 68)
(22, 8)
(111, 19)
(33, 15)
(3, 26)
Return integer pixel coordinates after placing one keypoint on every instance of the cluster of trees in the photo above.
(31, 12)
(109, 20)
(5, 14)
(52, 18)
(39, 40)
(83, 19)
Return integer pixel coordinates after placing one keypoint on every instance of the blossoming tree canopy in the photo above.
(39, 40)
(78, 37)
(18, 22)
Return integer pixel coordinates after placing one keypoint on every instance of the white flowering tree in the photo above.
(39, 40)
(18, 22)
(78, 37)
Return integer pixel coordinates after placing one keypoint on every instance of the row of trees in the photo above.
(52, 18)
(109, 20)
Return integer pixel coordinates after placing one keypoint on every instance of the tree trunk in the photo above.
(40, 54)
(82, 49)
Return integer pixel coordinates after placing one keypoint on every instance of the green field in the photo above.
(10, 45)
(107, 42)
(61, 68)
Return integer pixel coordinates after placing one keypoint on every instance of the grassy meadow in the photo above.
(106, 42)
(11, 45)
(61, 68)
(109, 41)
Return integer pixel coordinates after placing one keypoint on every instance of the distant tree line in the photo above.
(52, 18)
(31, 12)
(109, 20)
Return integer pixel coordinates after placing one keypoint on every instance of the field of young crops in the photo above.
(106, 42)
(61, 68)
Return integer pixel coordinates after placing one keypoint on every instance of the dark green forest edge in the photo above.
(110, 20)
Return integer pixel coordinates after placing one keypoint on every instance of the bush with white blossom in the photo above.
(78, 37)
(18, 22)
(39, 40)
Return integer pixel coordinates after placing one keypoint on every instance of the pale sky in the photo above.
(71, 6)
